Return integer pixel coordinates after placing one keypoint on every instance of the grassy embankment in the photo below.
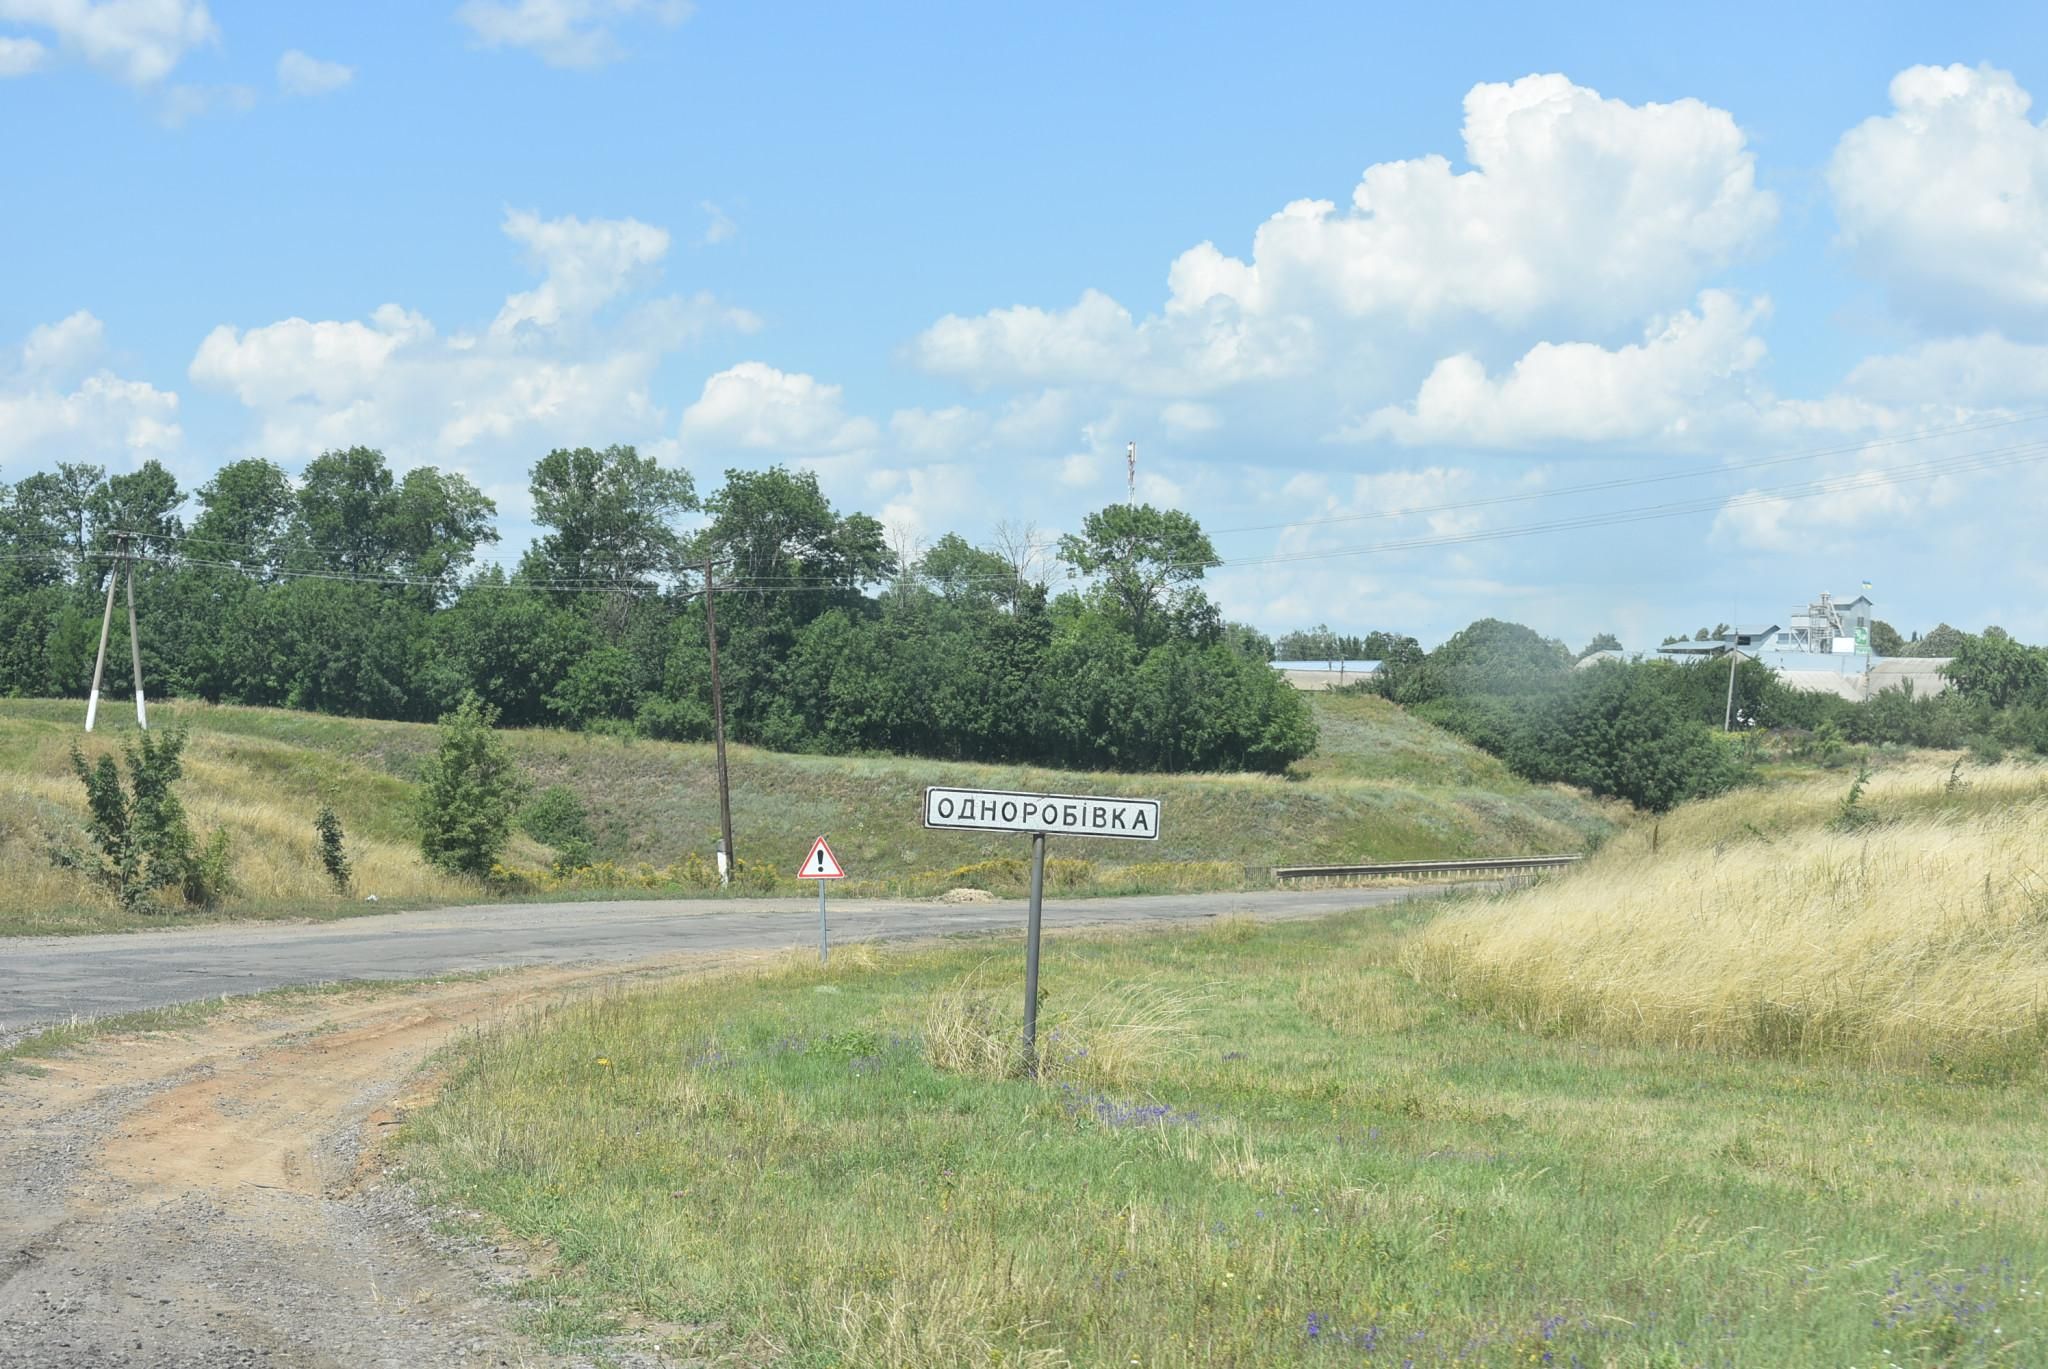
(1257, 1146)
(1383, 786)
(1906, 926)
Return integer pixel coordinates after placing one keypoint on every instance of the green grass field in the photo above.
(1383, 786)
(1256, 1145)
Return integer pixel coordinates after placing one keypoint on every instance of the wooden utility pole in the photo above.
(718, 724)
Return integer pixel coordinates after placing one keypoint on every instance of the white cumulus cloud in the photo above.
(1574, 208)
(754, 405)
(546, 370)
(58, 403)
(64, 347)
(1985, 371)
(565, 33)
(1687, 365)
(298, 74)
(1945, 200)
(138, 42)
(587, 263)
(20, 56)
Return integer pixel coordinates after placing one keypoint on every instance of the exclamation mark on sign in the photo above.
(821, 860)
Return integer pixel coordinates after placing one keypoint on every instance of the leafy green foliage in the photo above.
(1146, 560)
(142, 842)
(469, 789)
(333, 853)
(556, 816)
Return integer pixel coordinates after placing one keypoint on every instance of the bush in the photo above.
(1618, 733)
(333, 855)
(469, 790)
(141, 840)
(557, 817)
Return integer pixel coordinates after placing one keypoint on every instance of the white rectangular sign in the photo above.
(1065, 815)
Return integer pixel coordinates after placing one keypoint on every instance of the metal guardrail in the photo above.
(1421, 867)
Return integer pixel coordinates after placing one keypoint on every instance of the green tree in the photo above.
(598, 688)
(961, 571)
(469, 791)
(1147, 561)
(776, 528)
(1998, 670)
(610, 517)
(1618, 732)
(1602, 641)
(341, 521)
(1490, 657)
(143, 502)
(245, 516)
(1885, 639)
(434, 522)
(1942, 641)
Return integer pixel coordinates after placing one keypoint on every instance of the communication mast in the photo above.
(1131, 474)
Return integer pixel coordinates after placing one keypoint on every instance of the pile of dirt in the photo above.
(966, 896)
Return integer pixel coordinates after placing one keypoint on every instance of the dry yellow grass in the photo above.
(1914, 930)
(273, 849)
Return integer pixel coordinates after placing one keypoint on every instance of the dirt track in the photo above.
(214, 1197)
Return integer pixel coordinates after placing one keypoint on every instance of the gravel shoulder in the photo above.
(216, 1196)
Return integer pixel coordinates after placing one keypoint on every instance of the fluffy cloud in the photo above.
(58, 403)
(1986, 371)
(63, 347)
(546, 370)
(20, 56)
(757, 407)
(1575, 208)
(134, 41)
(564, 33)
(1861, 492)
(298, 74)
(587, 263)
(1686, 366)
(1945, 200)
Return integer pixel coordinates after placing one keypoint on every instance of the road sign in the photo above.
(1064, 815)
(821, 863)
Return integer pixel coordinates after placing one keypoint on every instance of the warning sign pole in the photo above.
(822, 866)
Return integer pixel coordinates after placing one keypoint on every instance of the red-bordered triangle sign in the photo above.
(821, 863)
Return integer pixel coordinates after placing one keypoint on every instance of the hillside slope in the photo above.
(1383, 787)
(1898, 919)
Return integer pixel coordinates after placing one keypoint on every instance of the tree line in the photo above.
(354, 590)
(1651, 731)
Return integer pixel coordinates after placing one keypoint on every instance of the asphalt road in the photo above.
(53, 979)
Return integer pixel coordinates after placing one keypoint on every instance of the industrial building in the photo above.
(1823, 648)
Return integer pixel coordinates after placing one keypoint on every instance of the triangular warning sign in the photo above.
(820, 863)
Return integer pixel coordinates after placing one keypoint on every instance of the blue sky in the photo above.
(953, 258)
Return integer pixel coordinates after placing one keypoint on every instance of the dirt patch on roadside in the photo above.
(213, 1196)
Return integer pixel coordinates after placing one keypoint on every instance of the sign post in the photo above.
(1040, 815)
(821, 865)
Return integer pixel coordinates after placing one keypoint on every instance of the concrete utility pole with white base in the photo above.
(123, 563)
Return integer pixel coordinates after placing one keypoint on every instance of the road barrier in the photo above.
(1285, 873)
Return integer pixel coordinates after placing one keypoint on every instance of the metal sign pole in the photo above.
(824, 942)
(1031, 954)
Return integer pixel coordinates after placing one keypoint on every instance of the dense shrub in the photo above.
(141, 842)
(469, 789)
